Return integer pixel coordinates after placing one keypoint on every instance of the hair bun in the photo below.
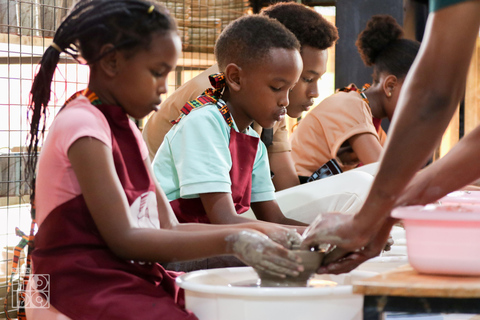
(380, 32)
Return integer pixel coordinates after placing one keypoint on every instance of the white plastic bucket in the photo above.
(210, 295)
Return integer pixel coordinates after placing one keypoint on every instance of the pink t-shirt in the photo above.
(56, 180)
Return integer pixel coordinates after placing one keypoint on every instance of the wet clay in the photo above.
(248, 246)
(311, 260)
(259, 251)
(321, 232)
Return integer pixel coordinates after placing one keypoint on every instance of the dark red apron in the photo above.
(88, 281)
(243, 150)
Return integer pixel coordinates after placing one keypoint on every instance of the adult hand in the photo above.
(334, 229)
(258, 251)
(339, 260)
(388, 245)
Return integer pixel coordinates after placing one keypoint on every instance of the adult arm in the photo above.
(446, 174)
(429, 97)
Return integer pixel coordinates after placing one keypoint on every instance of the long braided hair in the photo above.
(126, 24)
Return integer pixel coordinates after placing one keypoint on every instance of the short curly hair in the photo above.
(310, 28)
(250, 38)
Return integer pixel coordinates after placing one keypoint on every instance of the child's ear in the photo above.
(232, 76)
(389, 85)
(109, 61)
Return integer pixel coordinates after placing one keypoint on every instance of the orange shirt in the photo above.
(319, 136)
(159, 123)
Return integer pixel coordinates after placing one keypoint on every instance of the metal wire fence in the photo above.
(26, 30)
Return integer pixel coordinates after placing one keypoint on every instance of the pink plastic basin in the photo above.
(463, 197)
(442, 239)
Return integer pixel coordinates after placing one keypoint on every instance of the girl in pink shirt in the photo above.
(103, 220)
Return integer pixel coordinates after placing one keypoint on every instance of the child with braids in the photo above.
(103, 220)
(346, 125)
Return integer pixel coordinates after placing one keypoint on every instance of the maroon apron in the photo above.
(243, 150)
(87, 280)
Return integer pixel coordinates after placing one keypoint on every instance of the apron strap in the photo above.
(353, 87)
(211, 95)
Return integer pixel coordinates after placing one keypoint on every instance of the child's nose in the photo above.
(313, 91)
(162, 87)
(284, 101)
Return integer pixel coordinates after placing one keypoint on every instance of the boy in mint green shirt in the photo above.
(212, 165)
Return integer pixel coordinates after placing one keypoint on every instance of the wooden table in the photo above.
(405, 290)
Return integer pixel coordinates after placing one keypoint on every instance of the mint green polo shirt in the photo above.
(194, 158)
(436, 5)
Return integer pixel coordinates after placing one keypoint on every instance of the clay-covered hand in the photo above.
(389, 244)
(335, 229)
(294, 238)
(287, 237)
(258, 251)
(340, 260)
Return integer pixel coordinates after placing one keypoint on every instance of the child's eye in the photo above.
(156, 74)
(275, 89)
(307, 80)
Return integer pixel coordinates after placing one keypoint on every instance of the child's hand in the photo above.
(287, 237)
(258, 251)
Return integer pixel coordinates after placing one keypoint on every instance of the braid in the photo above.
(127, 24)
(40, 96)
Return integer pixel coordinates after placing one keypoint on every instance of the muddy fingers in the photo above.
(267, 270)
(259, 251)
(277, 269)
